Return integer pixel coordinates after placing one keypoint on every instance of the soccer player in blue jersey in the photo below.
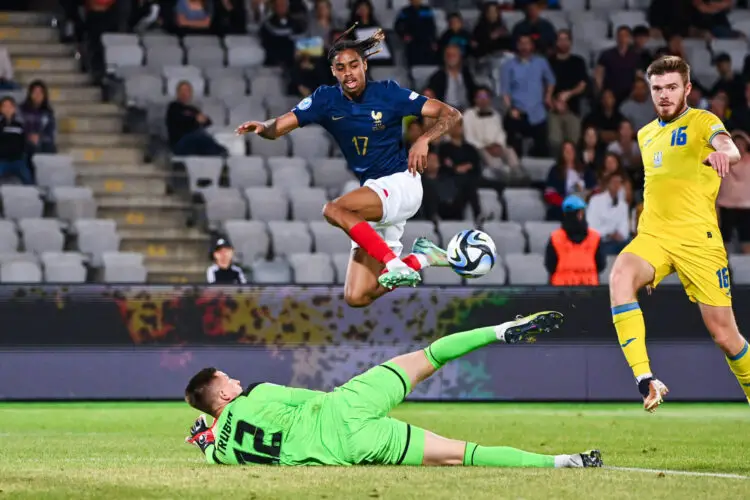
(365, 118)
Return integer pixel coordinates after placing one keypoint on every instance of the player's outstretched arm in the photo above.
(270, 129)
(445, 118)
(726, 154)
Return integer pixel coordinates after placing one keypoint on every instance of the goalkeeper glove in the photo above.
(201, 434)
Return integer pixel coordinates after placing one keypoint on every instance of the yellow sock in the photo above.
(740, 366)
(631, 332)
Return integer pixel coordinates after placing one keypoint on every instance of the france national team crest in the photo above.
(657, 159)
(377, 117)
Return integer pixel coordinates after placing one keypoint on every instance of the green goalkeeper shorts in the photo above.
(360, 409)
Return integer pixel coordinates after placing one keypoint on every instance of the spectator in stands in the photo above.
(363, 13)
(322, 21)
(193, 16)
(39, 119)
(638, 108)
(729, 82)
(720, 107)
(456, 34)
(186, 126)
(231, 17)
(102, 16)
(610, 165)
(277, 35)
(571, 77)
(617, 67)
(734, 196)
(442, 198)
(590, 149)
(491, 36)
(605, 117)
(12, 143)
(674, 47)
(527, 84)
(574, 256)
(6, 71)
(626, 147)
(308, 74)
(541, 31)
(568, 176)
(223, 271)
(609, 214)
(711, 18)
(461, 161)
(697, 99)
(453, 83)
(414, 131)
(741, 111)
(415, 25)
(641, 37)
(145, 14)
(667, 17)
(483, 128)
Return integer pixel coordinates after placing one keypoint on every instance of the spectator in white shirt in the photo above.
(483, 129)
(608, 214)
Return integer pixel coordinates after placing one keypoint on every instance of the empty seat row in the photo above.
(200, 56)
(71, 203)
(68, 267)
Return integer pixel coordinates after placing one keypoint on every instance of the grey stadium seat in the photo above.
(590, 29)
(8, 237)
(508, 236)
(250, 239)
(263, 147)
(6, 257)
(63, 267)
(311, 142)
(415, 229)
(421, 75)
(340, 264)
(123, 55)
(350, 186)
(440, 276)
(526, 269)
(95, 237)
(288, 237)
(740, 265)
(54, 170)
(203, 171)
(227, 87)
(158, 39)
(234, 144)
(140, 89)
(267, 85)
(111, 39)
(214, 109)
(240, 41)
(558, 19)
(205, 56)
(307, 203)
(629, 18)
(223, 204)
(123, 267)
(496, 277)
(280, 105)
(329, 239)
(604, 275)
(247, 108)
(245, 57)
(524, 204)
(159, 56)
(180, 71)
(512, 17)
(247, 171)
(21, 202)
(312, 268)
(448, 229)
(537, 168)
(267, 203)
(41, 235)
(20, 272)
(190, 41)
(490, 203)
(330, 174)
(73, 203)
(289, 172)
(397, 73)
(538, 234)
(271, 272)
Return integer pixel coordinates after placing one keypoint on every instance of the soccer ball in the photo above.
(471, 253)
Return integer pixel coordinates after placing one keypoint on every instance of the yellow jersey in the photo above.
(679, 199)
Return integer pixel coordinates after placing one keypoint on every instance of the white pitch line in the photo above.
(678, 472)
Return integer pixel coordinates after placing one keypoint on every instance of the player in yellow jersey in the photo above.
(685, 154)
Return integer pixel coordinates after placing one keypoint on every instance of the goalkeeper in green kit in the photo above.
(272, 424)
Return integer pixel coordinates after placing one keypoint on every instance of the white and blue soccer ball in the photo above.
(471, 253)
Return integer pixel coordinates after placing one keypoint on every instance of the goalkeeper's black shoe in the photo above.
(591, 458)
(526, 328)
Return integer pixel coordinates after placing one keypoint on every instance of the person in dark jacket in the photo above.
(585, 245)
(541, 31)
(223, 272)
(453, 83)
(12, 143)
(456, 34)
(416, 26)
(490, 34)
(39, 119)
(186, 127)
(277, 34)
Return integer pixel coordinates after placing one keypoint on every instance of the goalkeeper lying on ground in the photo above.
(272, 424)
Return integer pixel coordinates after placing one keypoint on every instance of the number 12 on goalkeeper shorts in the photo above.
(723, 276)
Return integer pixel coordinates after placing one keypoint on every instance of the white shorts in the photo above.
(401, 196)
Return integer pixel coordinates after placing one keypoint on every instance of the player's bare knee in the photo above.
(354, 299)
(723, 329)
(621, 287)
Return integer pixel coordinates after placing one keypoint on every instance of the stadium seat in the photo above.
(340, 264)
(205, 56)
(159, 39)
(415, 229)
(63, 267)
(263, 147)
(350, 186)
(123, 39)
(574, 5)
(327, 238)
(6, 257)
(489, 202)
(190, 41)
(141, 88)
(604, 275)
(271, 272)
(471, 17)
(538, 234)
(524, 204)
(312, 268)
(20, 272)
(496, 277)
(95, 237)
(441, 20)
(122, 55)
(508, 236)
(537, 168)
(267, 204)
(247, 171)
(158, 56)
(250, 239)
(215, 110)
(740, 266)
(21, 202)
(288, 237)
(288, 173)
(440, 276)
(267, 85)
(448, 229)
(248, 108)
(203, 172)
(311, 142)
(590, 29)
(54, 170)
(526, 269)
(558, 19)
(280, 105)
(73, 203)
(330, 174)
(307, 203)
(240, 41)
(608, 5)
(41, 235)
(245, 57)
(234, 144)
(421, 75)
(123, 267)
(8, 237)
(397, 73)
(227, 87)
(511, 18)
(629, 18)
(223, 204)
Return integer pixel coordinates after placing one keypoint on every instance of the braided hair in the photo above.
(365, 48)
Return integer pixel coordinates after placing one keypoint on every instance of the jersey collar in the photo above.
(664, 124)
(357, 99)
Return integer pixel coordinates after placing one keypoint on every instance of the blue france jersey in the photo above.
(368, 129)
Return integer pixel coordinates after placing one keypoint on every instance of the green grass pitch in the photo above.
(136, 450)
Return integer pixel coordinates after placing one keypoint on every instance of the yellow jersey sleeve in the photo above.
(710, 126)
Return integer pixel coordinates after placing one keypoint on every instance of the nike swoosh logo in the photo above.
(336, 118)
(627, 342)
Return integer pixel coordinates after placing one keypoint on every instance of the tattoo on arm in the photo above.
(270, 129)
(447, 117)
